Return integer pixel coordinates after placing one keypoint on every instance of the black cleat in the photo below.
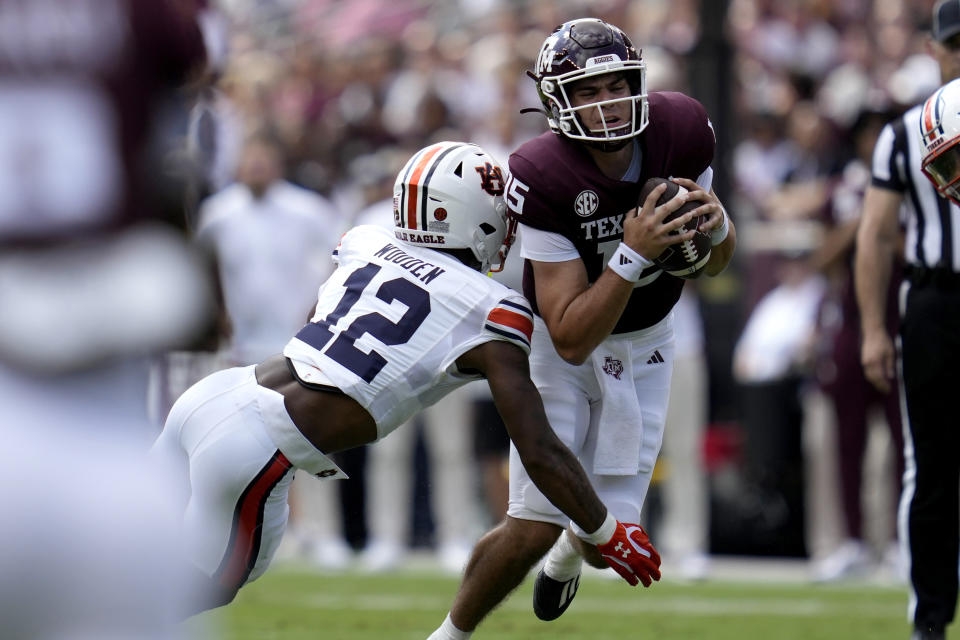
(552, 597)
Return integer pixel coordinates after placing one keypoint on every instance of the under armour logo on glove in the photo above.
(642, 566)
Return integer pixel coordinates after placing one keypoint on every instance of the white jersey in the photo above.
(392, 320)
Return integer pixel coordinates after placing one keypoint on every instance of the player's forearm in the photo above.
(872, 269)
(590, 318)
(552, 467)
(721, 254)
(559, 476)
(876, 248)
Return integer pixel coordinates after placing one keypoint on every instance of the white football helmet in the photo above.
(940, 130)
(449, 195)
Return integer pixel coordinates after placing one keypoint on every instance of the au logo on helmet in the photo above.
(491, 179)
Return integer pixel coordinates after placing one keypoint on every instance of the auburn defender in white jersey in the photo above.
(407, 317)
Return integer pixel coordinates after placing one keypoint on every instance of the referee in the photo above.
(929, 336)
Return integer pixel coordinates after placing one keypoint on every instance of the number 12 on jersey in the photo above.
(341, 348)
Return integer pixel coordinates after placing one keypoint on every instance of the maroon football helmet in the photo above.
(585, 48)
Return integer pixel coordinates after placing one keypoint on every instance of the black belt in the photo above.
(939, 277)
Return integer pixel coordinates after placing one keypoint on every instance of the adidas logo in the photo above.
(625, 260)
(569, 590)
(656, 358)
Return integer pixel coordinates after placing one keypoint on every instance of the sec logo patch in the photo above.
(586, 203)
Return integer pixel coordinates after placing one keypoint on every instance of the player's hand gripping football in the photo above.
(645, 231)
(631, 554)
(710, 210)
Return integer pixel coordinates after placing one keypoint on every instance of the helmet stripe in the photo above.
(426, 181)
(931, 116)
(927, 117)
(418, 168)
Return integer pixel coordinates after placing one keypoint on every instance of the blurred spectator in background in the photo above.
(96, 275)
(852, 398)
(772, 360)
(771, 363)
(214, 126)
(272, 240)
(686, 508)
(803, 72)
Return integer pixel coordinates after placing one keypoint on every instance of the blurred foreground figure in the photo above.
(93, 279)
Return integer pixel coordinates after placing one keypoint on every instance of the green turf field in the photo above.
(287, 604)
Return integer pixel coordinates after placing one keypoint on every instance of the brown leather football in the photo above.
(688, 258)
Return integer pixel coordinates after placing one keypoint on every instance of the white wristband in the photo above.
(605, 533)
(628, 264)
(719, 234)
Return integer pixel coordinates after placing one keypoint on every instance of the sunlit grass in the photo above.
(291, 604)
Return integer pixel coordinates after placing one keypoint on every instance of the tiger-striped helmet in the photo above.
(449, 195)
(940, 129)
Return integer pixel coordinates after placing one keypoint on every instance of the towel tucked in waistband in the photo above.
(620, 427)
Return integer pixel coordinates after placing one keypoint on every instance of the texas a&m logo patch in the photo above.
(612, 367)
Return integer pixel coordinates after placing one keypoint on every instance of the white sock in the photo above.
(449, 632)
(563, 561)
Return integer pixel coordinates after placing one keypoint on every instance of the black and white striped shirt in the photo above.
(932, 223)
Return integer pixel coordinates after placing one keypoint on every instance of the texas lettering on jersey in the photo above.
(555, 186)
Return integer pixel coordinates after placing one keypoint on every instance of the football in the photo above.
(686, 259)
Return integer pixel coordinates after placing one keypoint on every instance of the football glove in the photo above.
(630, 553)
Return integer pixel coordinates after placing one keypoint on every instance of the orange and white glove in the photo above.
(628, 551)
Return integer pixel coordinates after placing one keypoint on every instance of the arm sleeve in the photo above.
(545, 246)
(888, 152)
(511, 320)
(705, 179)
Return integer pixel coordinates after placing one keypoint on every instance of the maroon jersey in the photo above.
(80, 84)
(555, 186)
